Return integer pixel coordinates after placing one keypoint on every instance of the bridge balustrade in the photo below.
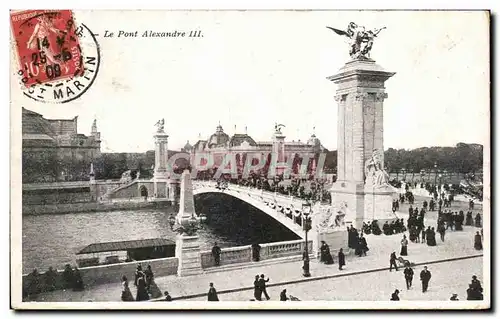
(233, 255)
(243, 254)
(284, 249)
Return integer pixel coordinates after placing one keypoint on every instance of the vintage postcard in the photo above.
(250, 159)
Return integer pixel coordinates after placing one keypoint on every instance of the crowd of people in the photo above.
(144, 282)
(51, 280)
(474, 292)
(301, 188)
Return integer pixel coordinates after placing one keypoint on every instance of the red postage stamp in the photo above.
(47, 44)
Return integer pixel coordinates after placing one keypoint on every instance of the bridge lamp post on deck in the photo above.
(306, 226)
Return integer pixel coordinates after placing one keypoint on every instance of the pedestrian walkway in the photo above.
(457, 244)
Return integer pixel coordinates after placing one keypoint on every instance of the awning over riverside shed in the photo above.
(126, 245)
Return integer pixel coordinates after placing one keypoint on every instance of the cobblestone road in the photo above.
(457, 244)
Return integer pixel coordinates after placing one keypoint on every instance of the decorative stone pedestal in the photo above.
(360, 96)
(335, 239)
(378, 205)
(187, 249)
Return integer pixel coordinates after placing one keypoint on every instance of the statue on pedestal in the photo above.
(375, 175)
(277, 128)
(160, 126)
(361, 40)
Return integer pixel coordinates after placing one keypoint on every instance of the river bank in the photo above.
(86, 207)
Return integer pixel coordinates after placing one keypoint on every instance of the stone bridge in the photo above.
(287, 210)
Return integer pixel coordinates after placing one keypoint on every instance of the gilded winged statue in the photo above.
(361, 40)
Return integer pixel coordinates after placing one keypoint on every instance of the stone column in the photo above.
(160, 177)
(187, 246)
(360, 95)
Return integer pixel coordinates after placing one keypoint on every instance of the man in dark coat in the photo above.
(425, 277)
(408, 276)
(363, 245)
(478, 244)
(257, 293)
(216, 251)
(341, 259)
(262, 286)
(256, 252)
(392, 261)
(212, 293)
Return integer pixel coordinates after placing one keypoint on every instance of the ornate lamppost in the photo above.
(435, 174)
(187, 226)
(306, 226)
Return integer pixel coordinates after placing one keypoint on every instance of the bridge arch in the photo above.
(287, 214)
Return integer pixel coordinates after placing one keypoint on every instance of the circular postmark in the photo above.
(58, 60)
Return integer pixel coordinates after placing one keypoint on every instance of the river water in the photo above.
(53, 240)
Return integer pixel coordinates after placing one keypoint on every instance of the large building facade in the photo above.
(220, 145)
(53, 150)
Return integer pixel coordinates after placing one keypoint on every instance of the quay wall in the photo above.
(103, 274)
(92, 207)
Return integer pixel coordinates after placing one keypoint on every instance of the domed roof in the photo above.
(219, 138)
(188, 147)
(239, 139)
(313, 140)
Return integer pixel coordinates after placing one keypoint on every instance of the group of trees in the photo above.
(463, 158)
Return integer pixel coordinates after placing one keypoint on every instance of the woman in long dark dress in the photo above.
(469, 221)
(126, 293)
(404, 246)
(212, 293)
(326, 256)
(431, 241)
(341, 259)
(363, 245)
(478, 220)
(142, 293)
(478, 244)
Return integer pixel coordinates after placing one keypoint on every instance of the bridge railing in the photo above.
(232, 255)
(243, 254)
(284, 249)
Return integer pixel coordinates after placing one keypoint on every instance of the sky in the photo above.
(254, 68)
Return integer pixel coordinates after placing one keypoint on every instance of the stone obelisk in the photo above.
(361, 186)
(187, 248)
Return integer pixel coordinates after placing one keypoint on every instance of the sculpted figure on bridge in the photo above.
(375, 175)
(160, 126)
(329, 218)
(361, 40)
